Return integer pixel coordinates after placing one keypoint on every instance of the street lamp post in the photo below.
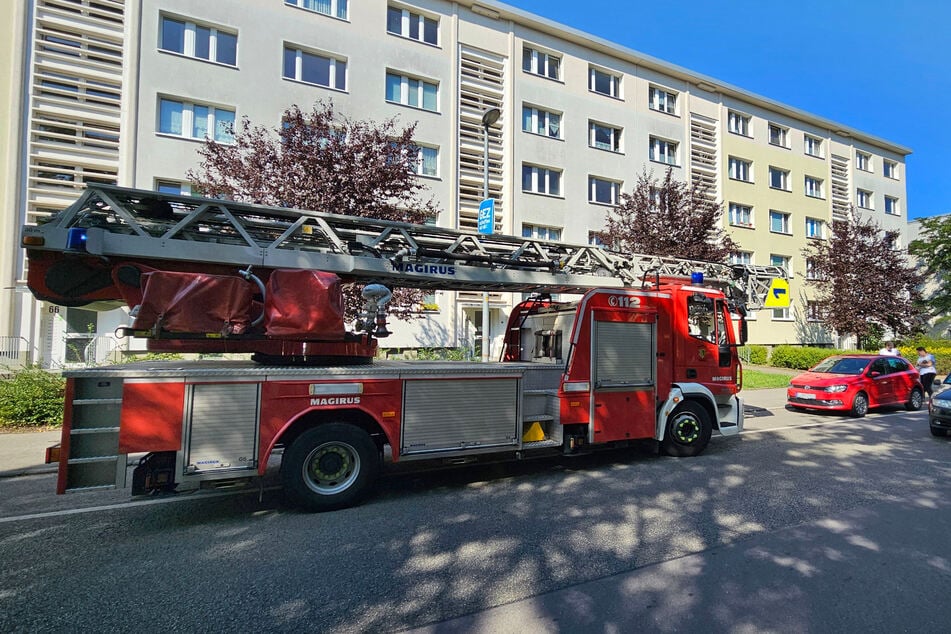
(488, 119)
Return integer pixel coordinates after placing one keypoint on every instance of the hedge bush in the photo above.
(799, 358)
(755, 355)
(32, 398)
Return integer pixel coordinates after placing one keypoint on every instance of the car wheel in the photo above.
(915, 400)
(859, 405)
(937, 431)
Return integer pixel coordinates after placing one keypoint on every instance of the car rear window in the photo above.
(842, 366)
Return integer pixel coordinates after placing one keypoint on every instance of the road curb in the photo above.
(16, 473)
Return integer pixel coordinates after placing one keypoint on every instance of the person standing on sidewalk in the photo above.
(926, 368)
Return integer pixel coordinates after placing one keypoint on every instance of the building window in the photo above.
(813, 146)
(891, 206)
(890, 168)
(779, 178)
(778, 135)
(603, 82)
(863, 161)
(863, 199)
(199, 41)
(536, 232)
(662, 100)
(594, 239)
(412, 92)
(412, 25)
(779, 222)
(603, 191)
(541, 180)
(741, 257)
(81, 328)
(738, 123)
(814, 311)
(782, 261)
(604, 137)
(781, 314)
(539, 63)
(543, 122)
(195, 121)
(177, 188)
(427, 161)
(815, 228)
(741, 170)
(311, 68)
(811, 269)
(814, 187)
(741, 215)
(663, 151)
(333, 8)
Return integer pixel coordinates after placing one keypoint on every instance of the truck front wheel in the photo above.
(330, 467)
(688, 430)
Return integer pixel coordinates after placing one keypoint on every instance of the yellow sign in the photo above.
(778, 295)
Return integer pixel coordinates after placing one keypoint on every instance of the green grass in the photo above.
(758, 380)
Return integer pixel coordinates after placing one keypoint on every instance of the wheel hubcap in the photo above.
(331, 468)
(686, 430)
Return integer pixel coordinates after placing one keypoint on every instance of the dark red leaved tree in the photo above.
(864, 284)
(669, 218)
(319, 160)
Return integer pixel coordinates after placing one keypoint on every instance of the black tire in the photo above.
(915, 401)
(688, 431)
(330, 467)
(859, 405)
(937, 431)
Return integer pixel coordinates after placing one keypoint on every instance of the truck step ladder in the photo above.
(90, 453)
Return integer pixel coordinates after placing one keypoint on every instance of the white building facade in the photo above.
(125, 91)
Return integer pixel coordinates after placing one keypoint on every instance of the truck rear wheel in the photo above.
(330, 467)
(688, 431)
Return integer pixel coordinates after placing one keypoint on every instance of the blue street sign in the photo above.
(487, 216)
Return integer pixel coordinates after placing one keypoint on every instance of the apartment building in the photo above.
(125, 91)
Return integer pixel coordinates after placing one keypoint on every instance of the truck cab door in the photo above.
(708, 356)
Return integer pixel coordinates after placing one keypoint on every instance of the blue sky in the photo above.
(881, 66)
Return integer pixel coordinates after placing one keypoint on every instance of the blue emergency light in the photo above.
(696, 277)
(76, 239)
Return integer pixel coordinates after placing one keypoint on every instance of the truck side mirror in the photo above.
(744, 331)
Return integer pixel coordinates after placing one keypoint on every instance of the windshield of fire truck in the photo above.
(703, 321)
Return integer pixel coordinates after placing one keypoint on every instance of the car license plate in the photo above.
(806, 396)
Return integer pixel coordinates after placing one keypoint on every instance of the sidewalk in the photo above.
(22, 453)
(770, 398)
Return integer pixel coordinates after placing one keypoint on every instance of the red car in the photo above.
(856, 382)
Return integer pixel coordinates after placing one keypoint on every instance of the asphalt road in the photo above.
(805, 523)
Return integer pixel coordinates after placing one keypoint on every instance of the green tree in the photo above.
(863, 283)
(668, 217)
(933, 250)
(319, 160)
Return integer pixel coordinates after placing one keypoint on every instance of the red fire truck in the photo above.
(646, 351)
